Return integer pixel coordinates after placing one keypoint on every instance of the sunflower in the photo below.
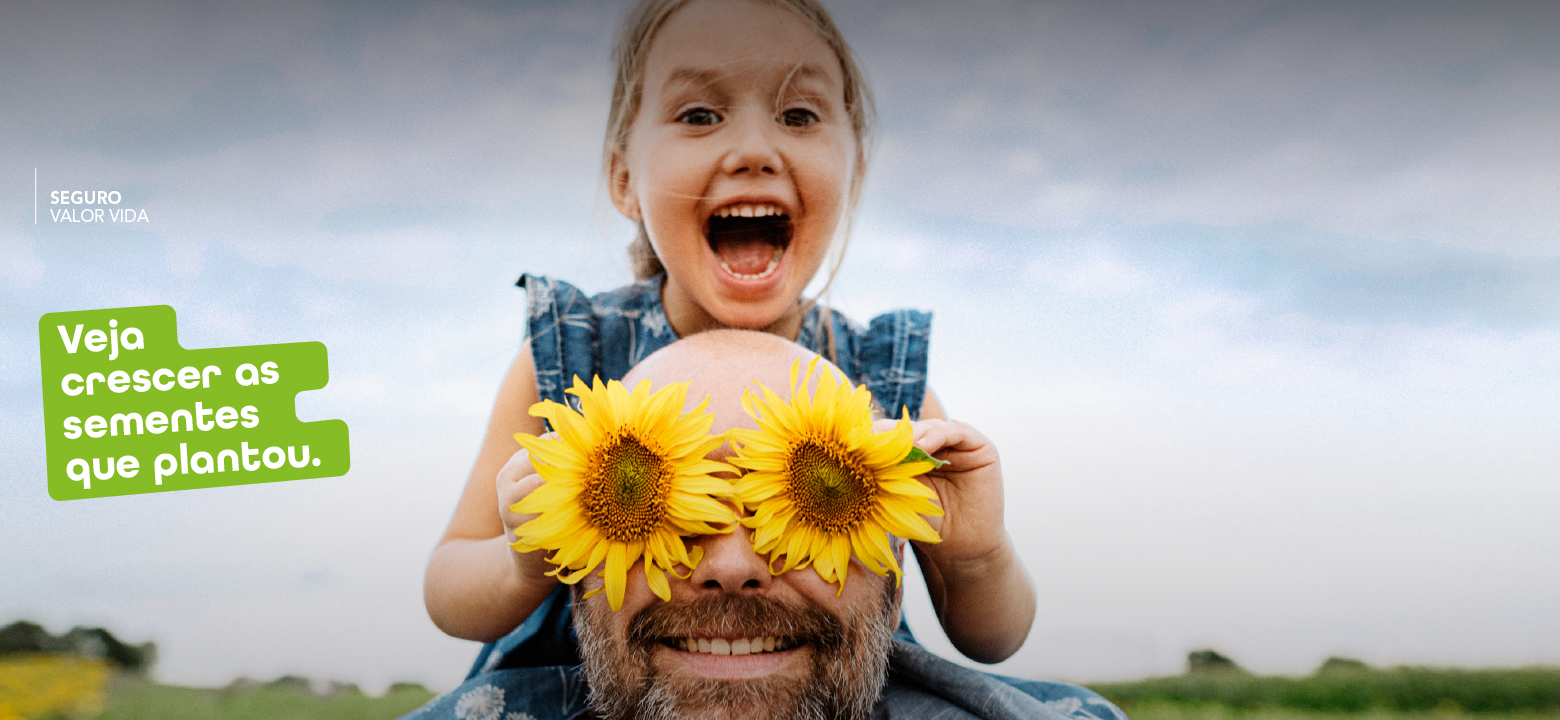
(626, 477)
(822, 486)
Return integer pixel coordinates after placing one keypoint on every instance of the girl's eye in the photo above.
(798, 117)
(699, 116)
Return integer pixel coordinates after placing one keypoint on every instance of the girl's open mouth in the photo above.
(749, 239)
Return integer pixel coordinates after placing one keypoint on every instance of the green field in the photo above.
(1194, 711)
(1341, 688)
(87, 673)
(1388, 694)
(282, 700)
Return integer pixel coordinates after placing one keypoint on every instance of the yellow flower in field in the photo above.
(625, 479)
(51, 685)
(822, 486)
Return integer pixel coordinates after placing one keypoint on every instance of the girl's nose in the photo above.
(730, 565)
(753, 150)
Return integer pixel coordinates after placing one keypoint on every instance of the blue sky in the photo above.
(1260, 301)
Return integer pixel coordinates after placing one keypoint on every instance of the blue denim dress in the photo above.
(533, 672)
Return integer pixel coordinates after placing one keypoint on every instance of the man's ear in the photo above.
(623, 197)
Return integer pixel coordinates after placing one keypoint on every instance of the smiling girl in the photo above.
(736, 141)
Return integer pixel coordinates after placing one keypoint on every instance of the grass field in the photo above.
(50, 686)
(1214, 711)
(1346, 689)
(63, 686)
(140, 700)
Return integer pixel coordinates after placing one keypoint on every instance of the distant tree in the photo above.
(1341, 665)
(29, 637)
(295, 683)
(1209, 661)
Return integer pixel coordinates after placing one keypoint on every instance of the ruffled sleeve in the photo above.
(561, 323)
(888, 356)
(892, 358)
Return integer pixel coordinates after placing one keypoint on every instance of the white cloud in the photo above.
(18, 263)
(1350, 119)
(1088, 273)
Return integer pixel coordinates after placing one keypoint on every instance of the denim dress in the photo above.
(534, 673)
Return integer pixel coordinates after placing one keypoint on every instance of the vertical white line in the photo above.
(35, 196)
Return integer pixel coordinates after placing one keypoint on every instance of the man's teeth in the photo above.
(749, 210)
(740, 646)
(774, 262)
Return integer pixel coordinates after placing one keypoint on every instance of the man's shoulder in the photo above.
(553, 692)
(1073, 701)
(922, 684)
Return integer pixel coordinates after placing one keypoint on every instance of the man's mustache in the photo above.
(736, 616)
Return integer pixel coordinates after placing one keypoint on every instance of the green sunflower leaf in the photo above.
(919, 455)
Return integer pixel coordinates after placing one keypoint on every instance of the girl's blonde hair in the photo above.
(629, 55)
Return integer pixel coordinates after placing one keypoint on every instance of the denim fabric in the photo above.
(575, 335)
(920, 685)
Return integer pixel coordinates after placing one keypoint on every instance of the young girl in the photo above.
(736, 141)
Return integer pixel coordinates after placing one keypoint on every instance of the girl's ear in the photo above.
(623, 197)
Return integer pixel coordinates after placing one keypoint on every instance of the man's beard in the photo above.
(849, 660)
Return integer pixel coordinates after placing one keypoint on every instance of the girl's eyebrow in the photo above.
(691, 76)
(801, 75)
(703, 78)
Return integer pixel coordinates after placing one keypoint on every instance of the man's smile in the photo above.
(730, 646)
(729, 665)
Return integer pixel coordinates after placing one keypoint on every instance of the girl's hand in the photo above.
(978, 586)
(969, 489)
(515, 481)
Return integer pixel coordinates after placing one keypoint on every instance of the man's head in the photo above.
(830, 645)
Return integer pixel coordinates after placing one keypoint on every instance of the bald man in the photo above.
(845, 661)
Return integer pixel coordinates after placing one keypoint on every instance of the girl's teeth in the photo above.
(749, 210)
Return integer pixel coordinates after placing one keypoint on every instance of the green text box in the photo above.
(126, 410)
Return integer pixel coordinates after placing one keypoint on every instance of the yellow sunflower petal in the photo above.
(626, 477)
(821, 485)
(657, 581)
(616, 574)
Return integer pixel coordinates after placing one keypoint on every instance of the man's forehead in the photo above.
(720, 365)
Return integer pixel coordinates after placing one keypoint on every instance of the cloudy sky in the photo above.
(1260, 301)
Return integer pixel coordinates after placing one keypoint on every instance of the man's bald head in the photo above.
(720, 365)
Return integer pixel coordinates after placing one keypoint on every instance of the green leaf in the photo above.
(919, 455)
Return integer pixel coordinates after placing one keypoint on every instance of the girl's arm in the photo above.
(981, 592)
(476, 586)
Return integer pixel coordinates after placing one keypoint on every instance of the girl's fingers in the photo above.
(949, 435)
(516, 480)
(960, 444)
(510, 493)
(519, 466)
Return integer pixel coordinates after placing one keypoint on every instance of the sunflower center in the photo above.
(625, 495)
(830, 489)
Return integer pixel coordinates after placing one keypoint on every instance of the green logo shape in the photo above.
(126, 410)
